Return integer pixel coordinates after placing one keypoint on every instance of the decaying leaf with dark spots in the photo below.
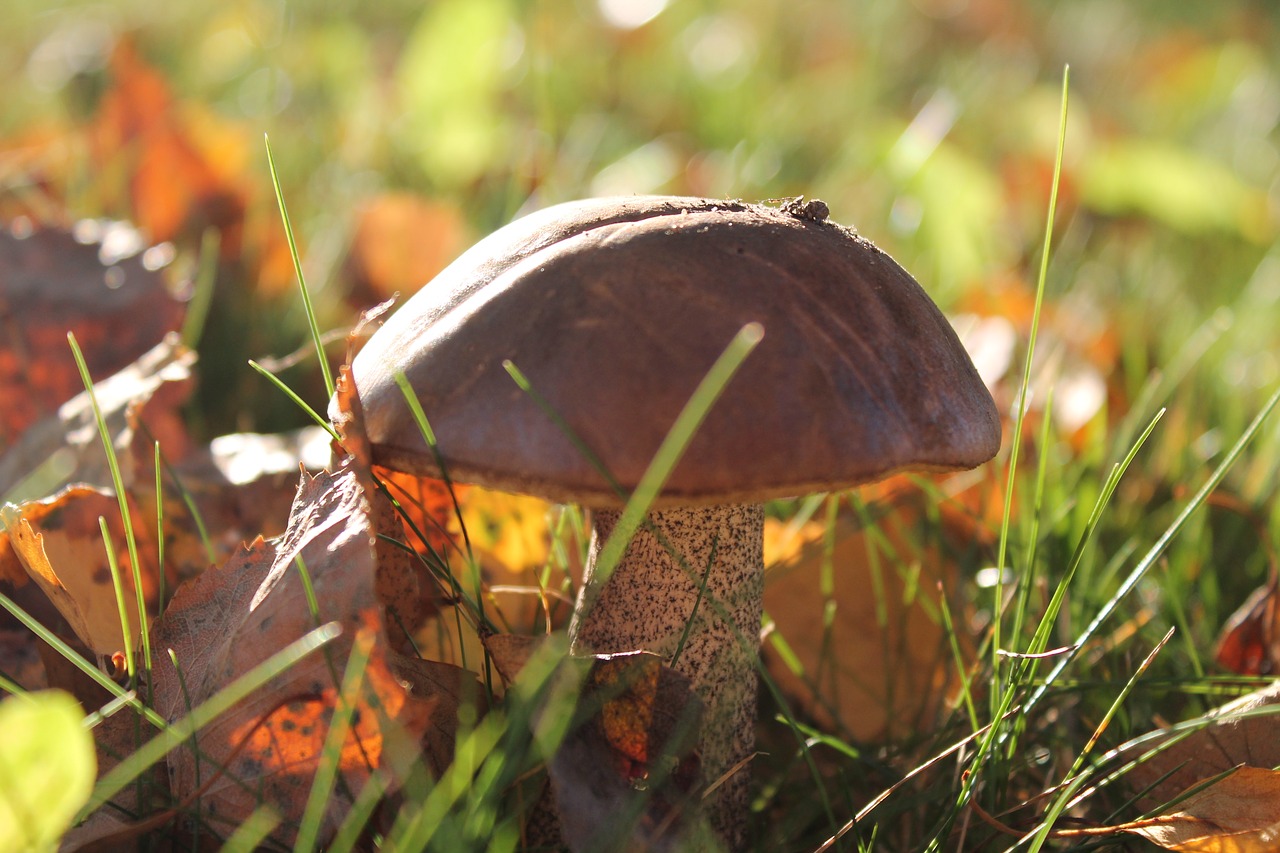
(95, 281)
(143, 397)
(235, 616)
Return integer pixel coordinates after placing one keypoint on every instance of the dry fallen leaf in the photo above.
(92, 282)
(875, 659)
(1240, 732)
(59, 543)
(1238, 814)
(234, 616)
(635, 746)
(141, 398)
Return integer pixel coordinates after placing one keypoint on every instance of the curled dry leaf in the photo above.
(1240, 732)
(59, 543)
(234, 616)
(92, 282)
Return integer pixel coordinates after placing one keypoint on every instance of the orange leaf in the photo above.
(97, 287)
(234, 616)
(401, 241)
(60, 544)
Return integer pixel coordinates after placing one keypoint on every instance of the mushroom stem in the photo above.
(650, 598)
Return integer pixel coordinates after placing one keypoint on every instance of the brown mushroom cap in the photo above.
(616, 308)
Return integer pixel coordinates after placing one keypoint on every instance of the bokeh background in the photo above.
(402, 131)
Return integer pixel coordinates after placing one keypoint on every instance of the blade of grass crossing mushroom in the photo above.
(429, 436)
(669, 453)
(475, 607)
(181, 731)
(297, 268)
(117, 481)
(522, 382)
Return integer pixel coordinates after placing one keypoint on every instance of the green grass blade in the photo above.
(340, 723)
(60, 646)
(297, 268)
(122, 497)
(1153, 554)
(668, 454)
(1024, 392)
(289, 392)
(160, 586)
(202, 292)
(126, 630)
(250, 835)
(1074, 780)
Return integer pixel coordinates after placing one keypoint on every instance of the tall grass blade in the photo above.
(1024, 393)
(297, 269)
(668, 454)
(117, 481)
(126, 630)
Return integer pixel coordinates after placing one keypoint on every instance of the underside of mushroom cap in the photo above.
(616, 308)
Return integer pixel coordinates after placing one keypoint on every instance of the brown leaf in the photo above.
(1240, 732)
(241, 484)
(510, 652)
(143, 396)
(1249, 643)
(94, 284)
(1239, 814)
(174, 185)
(234, 616)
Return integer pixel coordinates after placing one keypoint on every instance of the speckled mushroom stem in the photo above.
(649, 599)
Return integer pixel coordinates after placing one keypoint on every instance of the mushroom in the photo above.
(615, 309)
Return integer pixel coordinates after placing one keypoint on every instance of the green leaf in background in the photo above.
(450, 76)
(1174, 186)
(47, 767)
